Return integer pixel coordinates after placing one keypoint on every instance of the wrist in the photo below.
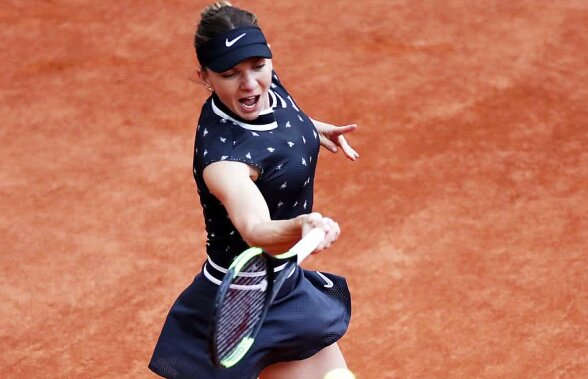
(300, 221)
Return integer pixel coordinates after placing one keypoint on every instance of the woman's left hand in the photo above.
(332, 138)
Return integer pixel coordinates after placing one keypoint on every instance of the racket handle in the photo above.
(306, 245)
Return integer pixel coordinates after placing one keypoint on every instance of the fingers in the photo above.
(327, 143)
(332, 234)
(347, 150)
(332, 138)
(339, 130)
(328, 225)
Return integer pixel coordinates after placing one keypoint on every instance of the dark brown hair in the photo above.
(219, 18)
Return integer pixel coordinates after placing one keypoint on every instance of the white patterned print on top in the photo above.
(294, 106)
(282, 101)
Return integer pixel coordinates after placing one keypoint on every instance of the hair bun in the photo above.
(215, 7)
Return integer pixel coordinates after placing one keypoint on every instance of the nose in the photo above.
(248, 80)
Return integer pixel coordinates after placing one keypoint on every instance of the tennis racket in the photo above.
(246, 293)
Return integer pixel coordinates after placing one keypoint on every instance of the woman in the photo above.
(254, 163)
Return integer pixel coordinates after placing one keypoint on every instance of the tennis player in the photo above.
(254, 164)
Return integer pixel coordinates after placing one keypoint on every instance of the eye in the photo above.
(228, 74)
(259, 64)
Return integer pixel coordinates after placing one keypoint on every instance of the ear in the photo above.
(203, 75)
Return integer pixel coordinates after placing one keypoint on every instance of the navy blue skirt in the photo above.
(312, 311)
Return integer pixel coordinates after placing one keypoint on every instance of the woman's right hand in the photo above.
(329, 226)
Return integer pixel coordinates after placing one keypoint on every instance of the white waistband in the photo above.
(260, 287)
(244, 274)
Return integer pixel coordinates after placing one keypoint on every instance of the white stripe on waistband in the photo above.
(241, 287)
(262, 286)
(243, 274)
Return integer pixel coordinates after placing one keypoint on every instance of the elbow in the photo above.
(262, 239)
(250, 234)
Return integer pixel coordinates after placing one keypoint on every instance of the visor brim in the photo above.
(233, 57)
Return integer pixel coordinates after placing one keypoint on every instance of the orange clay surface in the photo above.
(464, 221)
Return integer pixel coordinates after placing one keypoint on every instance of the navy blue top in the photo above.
(282, 144)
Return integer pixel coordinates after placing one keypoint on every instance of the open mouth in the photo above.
(249, 103)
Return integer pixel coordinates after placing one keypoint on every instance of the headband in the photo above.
(228, 49)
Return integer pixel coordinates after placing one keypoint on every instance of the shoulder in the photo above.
(221, 140)
(214, 139)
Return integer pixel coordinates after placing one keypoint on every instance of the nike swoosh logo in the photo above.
(327, 280)
(233, 41)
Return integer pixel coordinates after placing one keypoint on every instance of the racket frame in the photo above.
(233, 271)
(274, 282)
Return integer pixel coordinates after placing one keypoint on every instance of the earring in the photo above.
(209, 87)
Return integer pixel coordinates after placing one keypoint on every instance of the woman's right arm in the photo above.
(232, 183)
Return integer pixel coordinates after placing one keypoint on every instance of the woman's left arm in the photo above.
(332, 138)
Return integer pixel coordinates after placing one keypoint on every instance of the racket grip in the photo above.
(306, 245)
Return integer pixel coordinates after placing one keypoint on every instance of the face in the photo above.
(243, 88)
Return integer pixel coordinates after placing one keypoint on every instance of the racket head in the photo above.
(240, 306)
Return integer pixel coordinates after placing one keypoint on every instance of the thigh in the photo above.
(315, 367)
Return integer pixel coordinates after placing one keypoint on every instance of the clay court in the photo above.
(464, 221)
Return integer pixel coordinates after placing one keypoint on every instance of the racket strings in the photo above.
(235, 328)
(242, 308)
